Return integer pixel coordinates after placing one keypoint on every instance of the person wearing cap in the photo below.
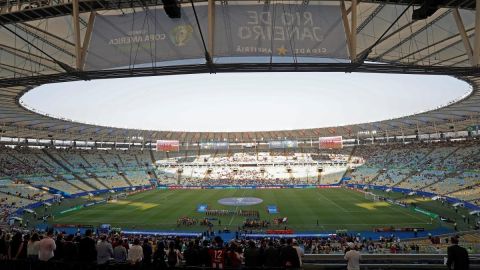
(353, 257)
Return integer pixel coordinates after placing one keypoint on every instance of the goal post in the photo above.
(372, 197)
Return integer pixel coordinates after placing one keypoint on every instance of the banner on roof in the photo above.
(282, 144)
(335, 142)
(145, 37)
(168, 145)
(214, 145)
(279, 30)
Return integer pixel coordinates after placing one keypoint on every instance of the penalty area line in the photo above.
(334, 203)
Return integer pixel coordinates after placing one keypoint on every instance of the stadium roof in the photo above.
(56, 41)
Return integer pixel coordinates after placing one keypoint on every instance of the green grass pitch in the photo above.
(334, 208)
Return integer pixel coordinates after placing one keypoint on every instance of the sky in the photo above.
(244, 102)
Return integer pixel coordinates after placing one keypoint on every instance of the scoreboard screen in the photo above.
(335, 142)
(168, 146)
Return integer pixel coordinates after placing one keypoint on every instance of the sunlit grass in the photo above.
(373, 205)
(139, 205)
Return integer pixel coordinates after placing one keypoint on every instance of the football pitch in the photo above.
(332, 208)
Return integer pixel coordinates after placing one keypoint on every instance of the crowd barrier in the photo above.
(305, 186)
(323, 261)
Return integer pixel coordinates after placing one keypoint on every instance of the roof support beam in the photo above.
(448, 59)
(413, 35)
(451, 38)
(44, 39)
(441, 50)
(48, 33)
(29, 57)
(76, 34)
(346, 26)
(370, 17)
(461, 62)
(353, 30)
(15, 70)
(463, 34)
(476, 50)
(86, 39)
(211, 27)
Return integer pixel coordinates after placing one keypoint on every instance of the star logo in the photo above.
(282, 51)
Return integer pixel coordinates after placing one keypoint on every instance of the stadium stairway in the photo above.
(61, 178)
(121, 160)
(463, 188)
(351, 154)
(16, 158)
(459, 173)
(16, 195)
(138, 161)
(49, 162)
(380, 172)
(85, 182)
(65, 161)
(375, 178)
(153, 162)
(126, 179)
(68, 170)
(414, 172)
(55, 160)
(86, 160)
(348, 171)
(441, 179)
(104, 160)
(95, 177)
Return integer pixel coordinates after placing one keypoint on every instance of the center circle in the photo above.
(240, 201)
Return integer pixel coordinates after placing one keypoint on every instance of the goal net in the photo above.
(372, 197)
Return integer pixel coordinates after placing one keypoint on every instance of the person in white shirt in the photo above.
(46, 247)
(353, 258)
(104, 250)
(135, 253)
(33, 247)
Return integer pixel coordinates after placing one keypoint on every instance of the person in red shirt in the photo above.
(217, 253)
(235, 256)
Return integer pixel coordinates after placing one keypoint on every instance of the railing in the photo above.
(336, 261)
